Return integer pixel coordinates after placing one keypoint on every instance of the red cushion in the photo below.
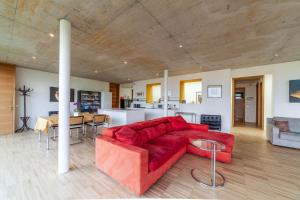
(174, 141)
(158, 155)
(149, 123)
(178, 123)
(186, 133)
(128, 136)
(154, 122)
(161, 149)
(148, 134)
(161, 128)
(169, 127)
(282, 125)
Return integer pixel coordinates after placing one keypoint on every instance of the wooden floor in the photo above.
(258, 171)
(246, 124)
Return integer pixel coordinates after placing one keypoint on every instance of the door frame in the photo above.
(261, 100)
(262, 103)
(257, 103)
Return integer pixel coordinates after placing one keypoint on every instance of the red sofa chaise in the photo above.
(137, 155)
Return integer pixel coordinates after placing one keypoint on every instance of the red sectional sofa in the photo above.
(137, 155)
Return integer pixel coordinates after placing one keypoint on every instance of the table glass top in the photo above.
(208, 145)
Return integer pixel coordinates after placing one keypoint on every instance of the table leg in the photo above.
(48, 140)
(40, 135)
(213, 172)
(54, 133)
(213, 166)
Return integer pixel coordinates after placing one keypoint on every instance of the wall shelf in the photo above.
(89, 101)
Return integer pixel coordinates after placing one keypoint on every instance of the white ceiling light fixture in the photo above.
(125, 62)
(180, 46)
(276, 54)
(51, 35)
(33, 57)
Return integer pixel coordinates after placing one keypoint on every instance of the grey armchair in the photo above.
(286, 139)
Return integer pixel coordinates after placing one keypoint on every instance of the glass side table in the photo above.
(213, 147)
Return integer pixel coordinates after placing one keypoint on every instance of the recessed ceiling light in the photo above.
(51, 35)
(180, 46)
(276, 55)
(129, 79)
(33, 57)
(95, 71)
(125, 62)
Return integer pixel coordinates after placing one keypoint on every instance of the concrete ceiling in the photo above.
(215, 34)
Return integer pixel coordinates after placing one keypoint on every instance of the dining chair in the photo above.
(77, 122)
(54, 126)
(98, 120)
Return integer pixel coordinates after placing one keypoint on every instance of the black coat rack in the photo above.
(24, 92)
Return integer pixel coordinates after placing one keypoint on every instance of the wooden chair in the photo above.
(77, 122)
(98, 120)
(53, 127)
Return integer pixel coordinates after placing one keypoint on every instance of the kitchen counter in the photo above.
(124, 116)
(121, 109)
(152, 113)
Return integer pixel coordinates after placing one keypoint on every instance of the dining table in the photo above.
(43, 124)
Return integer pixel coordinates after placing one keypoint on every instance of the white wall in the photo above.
(276, 76)
(276, 90)
(38, 104)
(218, 106)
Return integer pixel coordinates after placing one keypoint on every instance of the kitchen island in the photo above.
(153, 113)
(124, 116)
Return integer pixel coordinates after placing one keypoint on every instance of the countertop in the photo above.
(157, 109)
(122, 110)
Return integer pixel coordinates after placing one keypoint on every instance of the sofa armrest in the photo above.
(110, 131)
(199, 127)
(126, 163)
(275, 134)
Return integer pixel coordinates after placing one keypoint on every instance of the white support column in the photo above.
(64, 95)
(165, 92)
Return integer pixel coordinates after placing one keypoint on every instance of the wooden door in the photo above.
(239, 104)
(7, 98)
(114, 88)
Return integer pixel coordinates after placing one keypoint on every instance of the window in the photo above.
(191, 91)
(153, 92)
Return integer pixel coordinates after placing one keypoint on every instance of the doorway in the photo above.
(248, 102)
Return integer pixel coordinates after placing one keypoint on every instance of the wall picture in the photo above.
(140, 94)
(54, 94)
(214, 91)
(295, 91)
